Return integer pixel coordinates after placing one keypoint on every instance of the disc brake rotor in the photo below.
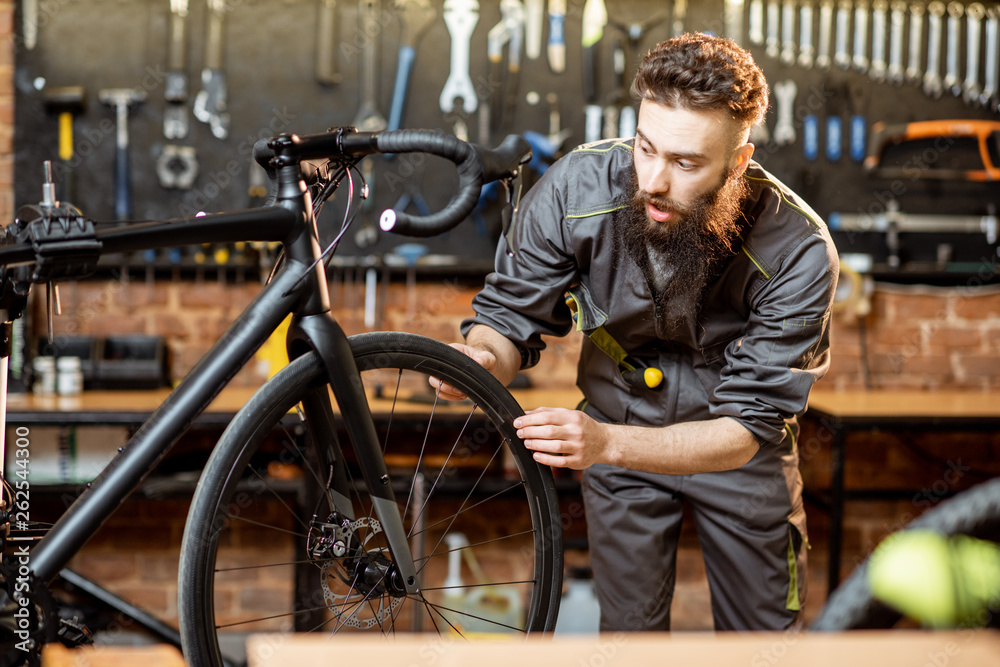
(360, 600)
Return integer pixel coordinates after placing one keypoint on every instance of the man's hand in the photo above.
(563, 438)
(484, 358)
(489, 349)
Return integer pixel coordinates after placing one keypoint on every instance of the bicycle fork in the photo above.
(322, 334)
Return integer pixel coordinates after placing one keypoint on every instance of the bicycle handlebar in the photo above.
(476, 166)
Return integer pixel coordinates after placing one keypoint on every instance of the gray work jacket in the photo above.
(762, 336)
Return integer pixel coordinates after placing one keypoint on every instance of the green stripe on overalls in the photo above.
(792, 602)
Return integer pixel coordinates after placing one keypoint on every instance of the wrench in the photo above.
(860, 59)
(773, 40)
(878, 65)
(806, 50)
(461, 17)
(369, 118)
(897, 19)
(680, 16)
(951, 77)
(913, 71)
(756, 29)
(327, 71)
(210, 102)
(415, 17)
(841, 55)
(534, 18)
(971, 90)
(509, 31)
(732, 16)
(788, 32)
(784, 129)
(175, 86)
(932, 77)
(992, 52)
(825, 33)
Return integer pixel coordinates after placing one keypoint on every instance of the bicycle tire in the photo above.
(531, 495)
(974, 512)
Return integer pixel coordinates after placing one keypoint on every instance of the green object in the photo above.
(940, 581)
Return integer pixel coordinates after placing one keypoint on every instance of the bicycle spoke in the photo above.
(438, 608)
(444, 466)
(243, 519)
(477, 544)
(277, 496)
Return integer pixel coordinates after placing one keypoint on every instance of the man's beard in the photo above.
(679, 258)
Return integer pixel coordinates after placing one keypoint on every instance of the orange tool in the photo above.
(983, 131)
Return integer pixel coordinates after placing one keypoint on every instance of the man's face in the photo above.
(682, 157)
(686, 196)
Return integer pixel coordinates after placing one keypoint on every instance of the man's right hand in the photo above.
(484, 358)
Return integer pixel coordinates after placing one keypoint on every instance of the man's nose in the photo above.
(657, 181)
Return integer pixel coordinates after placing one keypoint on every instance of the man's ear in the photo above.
(741, 160)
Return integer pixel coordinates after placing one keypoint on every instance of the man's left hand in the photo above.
(563, 438)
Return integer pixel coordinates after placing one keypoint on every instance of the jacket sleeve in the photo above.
(771, 369)
(523, 297)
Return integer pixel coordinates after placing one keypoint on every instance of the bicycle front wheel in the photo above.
(482, 518)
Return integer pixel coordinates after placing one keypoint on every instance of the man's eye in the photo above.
(686, 166)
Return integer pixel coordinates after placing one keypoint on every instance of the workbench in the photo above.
(847, 412)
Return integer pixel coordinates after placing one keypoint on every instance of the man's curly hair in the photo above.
(699, 71)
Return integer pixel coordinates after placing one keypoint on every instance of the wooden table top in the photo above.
(915, 405)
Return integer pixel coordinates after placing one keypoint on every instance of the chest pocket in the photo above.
(590, 320)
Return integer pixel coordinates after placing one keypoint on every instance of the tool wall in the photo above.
(924, 200)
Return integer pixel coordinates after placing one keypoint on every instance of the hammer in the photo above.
(121, 99)
(66, 102)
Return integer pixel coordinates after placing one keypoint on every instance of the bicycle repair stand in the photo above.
(65, 245)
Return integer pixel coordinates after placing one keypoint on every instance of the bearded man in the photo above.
(674, 251)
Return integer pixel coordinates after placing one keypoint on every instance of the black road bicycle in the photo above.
(368, 540)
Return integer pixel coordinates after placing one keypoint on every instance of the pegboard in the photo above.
(269, 58)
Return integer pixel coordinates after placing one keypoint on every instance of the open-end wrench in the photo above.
(860, 59)
(971, 90)
(951, 78)
(897, 21)
(825, 34)
(756, 25)
(806, 50)
(992, 65)
(784, 128)
(210, 102)
(175, 84)
(415, 17)
(914, 73)
(534, 18)
(932, 75)
(509, 31)
(557, 36)
(842, 56)
(369, 118)
(679, 17)
(461, 17)
(327, 71)
(878, 68)
(788, 32)
(772, 44)
(732, 17)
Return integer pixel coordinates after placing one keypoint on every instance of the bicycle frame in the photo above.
(299, 288)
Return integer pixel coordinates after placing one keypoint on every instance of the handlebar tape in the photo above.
(476, 166)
